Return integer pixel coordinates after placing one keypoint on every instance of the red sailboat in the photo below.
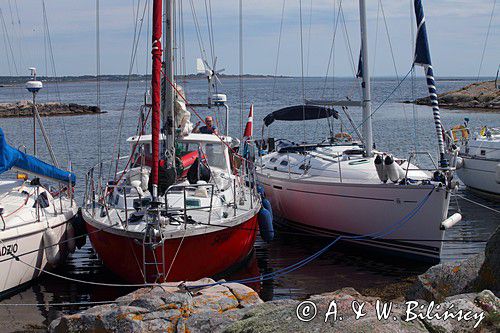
(187, 216)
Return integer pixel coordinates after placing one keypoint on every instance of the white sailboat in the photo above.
(36, 230)
(478, 161)
(348, 188)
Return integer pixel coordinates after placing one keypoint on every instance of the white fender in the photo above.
(394, 171)
(379, 166)
(460, 163)
(70, 237)
(401, 171)
(51, 247)
(451, 221)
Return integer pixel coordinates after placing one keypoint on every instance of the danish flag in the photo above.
(249, 127)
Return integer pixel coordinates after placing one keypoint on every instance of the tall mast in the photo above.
(156, 90)
(168, 98)
(365, 85)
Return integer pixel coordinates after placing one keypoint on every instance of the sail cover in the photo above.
(422, 52)
(14, 158)
(300, 112)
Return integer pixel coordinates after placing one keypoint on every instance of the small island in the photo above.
(479, 95)
(25, 109)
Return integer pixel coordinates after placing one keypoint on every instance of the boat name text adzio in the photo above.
(9, 249)
(307, 311)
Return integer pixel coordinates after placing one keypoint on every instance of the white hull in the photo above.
(22, 236)
(404, 219)
(353, 209)
(480, 174)
(14, 273)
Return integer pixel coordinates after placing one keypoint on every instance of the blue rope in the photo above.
(389, 230)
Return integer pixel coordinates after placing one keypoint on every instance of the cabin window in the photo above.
(284, 163)
(483, 152)
(185, 148)
(273, 159)
(215, 155)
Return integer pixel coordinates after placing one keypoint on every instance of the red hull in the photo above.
(200, 256)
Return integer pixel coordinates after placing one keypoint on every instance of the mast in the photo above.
(365, 85)
(168, 90)
(156, 90)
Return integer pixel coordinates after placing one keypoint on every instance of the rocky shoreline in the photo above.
(480, 95)
(464, 292)
(24, 109)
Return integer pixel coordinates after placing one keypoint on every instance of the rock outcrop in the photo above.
(170, 307)
(447, 279)
(489, 274)
(24, 109)
(416, 316)
(234, 308)
(451, 297)
(480, 95)
(473, 274)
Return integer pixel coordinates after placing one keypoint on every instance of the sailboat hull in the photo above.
(27, 242)
(189, 258)
(330, 209)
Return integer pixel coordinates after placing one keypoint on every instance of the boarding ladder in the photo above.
(153, 238)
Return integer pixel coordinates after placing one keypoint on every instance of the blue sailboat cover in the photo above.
(422, 52)
(11, 157)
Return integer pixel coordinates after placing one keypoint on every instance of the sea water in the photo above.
(398, 128)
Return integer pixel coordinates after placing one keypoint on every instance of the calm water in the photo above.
(397, 128)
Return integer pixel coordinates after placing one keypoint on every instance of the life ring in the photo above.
(463, 131)
(343, 136)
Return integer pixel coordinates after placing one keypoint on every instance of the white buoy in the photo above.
(379, 166)
(51, 247)
(70, 237)
(451, 221)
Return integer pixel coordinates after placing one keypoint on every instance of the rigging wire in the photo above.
(6, 45)
(148, 26)
(302, 72)
(308, 59)
(486, 39)
(56, 79)
(198, 31)
(183, 43)
(413, 78)
(210, 28)
(9, 44)
(386, 99)
(376, 40)
(240, 40)
(278, 50)
(98, 80)
(16, 34)
(348, 42)
(135, 44)
(331, 58)
(391, 49)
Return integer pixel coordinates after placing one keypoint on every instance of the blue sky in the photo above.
(457, 32)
